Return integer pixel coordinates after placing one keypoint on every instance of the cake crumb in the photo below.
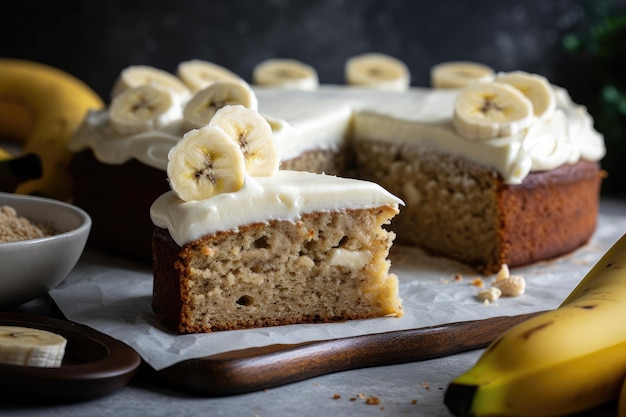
(14, 228)
(478, 282)
(372, 400)
(426, 385)
(489, 295)
(413, 402)
(458, 277)
(336, 396)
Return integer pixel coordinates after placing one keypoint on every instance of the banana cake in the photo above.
(493, 167)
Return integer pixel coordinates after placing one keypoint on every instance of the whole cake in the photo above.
(238, 244)
(493, 169)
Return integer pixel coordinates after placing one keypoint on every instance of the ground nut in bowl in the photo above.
(30, 268)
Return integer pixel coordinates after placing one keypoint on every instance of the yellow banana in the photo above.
(41, 107)
(561, 362)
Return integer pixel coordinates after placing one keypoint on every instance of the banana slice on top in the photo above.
(459, 74)
(285, 73)
(203, 105)
(378, 71)
(31, 347)
(487, 111)
(197, 74)
(138, 75)
(144, 108)
(253, 134)
(537, 88)
(205, 162)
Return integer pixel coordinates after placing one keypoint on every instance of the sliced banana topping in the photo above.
(459, 74)
(144, 108)
(537, 88)
(253, 134)
(377, 71)
(285, 73)
(31, 347)
(203, 105)
(487, 111)
(138, 75)
(198, 74)
(205, 162)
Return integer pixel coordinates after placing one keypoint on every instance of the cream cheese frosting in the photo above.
(323, 119)
(287, 195)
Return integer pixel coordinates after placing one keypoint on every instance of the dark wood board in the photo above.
(254, 369)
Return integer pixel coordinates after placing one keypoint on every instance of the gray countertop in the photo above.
(411, 389)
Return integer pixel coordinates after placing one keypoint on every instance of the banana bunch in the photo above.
(376, 70)
(40, 108)
(285, 73)
(504, 107)
(31, 347)
(459, 74)
(215, 158)
(561, 362)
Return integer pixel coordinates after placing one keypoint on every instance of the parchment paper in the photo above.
(114, 296)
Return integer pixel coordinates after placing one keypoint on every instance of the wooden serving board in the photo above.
(254, 369)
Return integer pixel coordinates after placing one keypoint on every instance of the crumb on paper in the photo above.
(413, 402)
(478, 282)
(336, 396)
(513, 286)
(458, 277)
(372, 400)
(489, 295)
(426, 385)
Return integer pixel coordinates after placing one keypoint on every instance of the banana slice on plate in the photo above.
(31, 347)
(203, 105)
(459, 74)
(144, 108)
(537, 88)
(198, 74)
(378, 71)
(285, 73)
(205, 162)
(487, 111)
(253, 134)
(138, 75)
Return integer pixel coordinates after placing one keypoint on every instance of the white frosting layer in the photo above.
(321, 119)
(285, 196)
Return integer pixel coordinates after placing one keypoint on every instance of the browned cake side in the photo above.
(326, 267)
(550, 214)
(461, 210)
(118, 199)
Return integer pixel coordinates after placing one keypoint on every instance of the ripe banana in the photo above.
(143, 108)
(253, 134)
(205, 162)
(487, 111)
(138, 75)
(285, 73)
(459, 74)
(198, 74)
(41, 108)
(377, 71)
(561, 362)
(31, 347)
(537, 88)
(203, 105)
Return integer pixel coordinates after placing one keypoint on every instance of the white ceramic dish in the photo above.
(31, 268)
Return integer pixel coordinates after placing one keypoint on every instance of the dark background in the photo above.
(94, 40)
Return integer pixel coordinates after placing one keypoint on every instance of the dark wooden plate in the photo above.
(94, 364)
(254, 369)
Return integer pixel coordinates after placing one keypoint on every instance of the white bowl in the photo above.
(31, 268)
